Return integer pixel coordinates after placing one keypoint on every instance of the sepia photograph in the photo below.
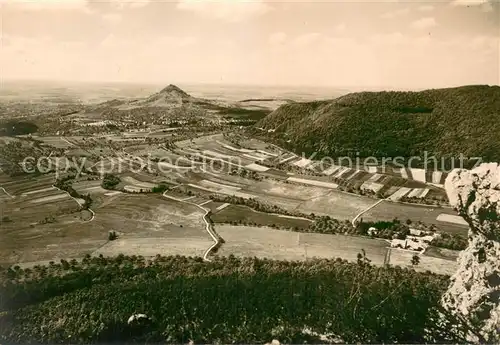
(249, 172)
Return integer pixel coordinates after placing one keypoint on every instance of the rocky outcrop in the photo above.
(474, 292)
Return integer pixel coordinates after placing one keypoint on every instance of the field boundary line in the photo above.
(69, 142)
(5, 191)
(420, 205)
(387, 258)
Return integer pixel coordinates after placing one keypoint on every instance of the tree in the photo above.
(362, 259)
(112, 235)
(110, 181)
(415, 260)
(160, 188)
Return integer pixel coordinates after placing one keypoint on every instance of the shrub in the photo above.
(110, 181)
(160, 188)
(112, 235)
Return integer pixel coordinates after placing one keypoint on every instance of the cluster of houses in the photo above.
(417, 240)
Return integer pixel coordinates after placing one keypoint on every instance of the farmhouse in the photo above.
(372, 231)
(417, 232)
(423, 239)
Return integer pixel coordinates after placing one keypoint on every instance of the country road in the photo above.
(93, 213)
(364, 211)
(208, 226)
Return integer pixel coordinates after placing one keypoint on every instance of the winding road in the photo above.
(93, 213)
(208, 225)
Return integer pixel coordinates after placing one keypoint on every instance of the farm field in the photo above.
(151, 246)
(134, 183)
(250, 241)
(28, 237)
(345, 247)
(30, 183)
(135, 218)
(288, 245)
(213, 205)
(339, 205)
(260, 145)
(4, 195)
(287, 190)
(442, 253)
(57, 142)
(244, 214)
(89, 187)
(374, 178)
(35, 205)
(150, 215)
(227, 179)
(197, 188)
(388, 210)
(401, 257)
(303, 198)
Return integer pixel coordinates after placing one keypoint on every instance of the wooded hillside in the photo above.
(444, 122)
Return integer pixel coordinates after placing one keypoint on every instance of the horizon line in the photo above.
(265, 85)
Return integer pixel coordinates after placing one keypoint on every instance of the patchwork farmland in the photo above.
(160, 216)
(192, 171)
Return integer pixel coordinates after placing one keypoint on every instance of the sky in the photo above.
(399, 44)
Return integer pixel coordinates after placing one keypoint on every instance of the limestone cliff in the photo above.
(474, 292)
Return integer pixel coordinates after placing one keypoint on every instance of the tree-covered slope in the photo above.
(444, 122)
(228, 300)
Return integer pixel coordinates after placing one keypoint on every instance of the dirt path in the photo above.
(364, 211)
(7, 192)
(208, 226)
(93, 213)
(387, 258)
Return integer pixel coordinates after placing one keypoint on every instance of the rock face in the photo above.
(134, 318)
(474, 292)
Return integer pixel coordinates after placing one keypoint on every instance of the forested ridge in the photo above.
(227, 300)
(444, 122)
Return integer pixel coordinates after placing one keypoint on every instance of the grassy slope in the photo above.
(442, 121)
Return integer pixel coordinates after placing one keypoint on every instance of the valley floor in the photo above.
(46, 224)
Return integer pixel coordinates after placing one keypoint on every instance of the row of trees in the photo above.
(257, 205)
(385, 229)
(65, 184)
(450, 241)
(228, 300)
(161, 188)
(249, 174)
